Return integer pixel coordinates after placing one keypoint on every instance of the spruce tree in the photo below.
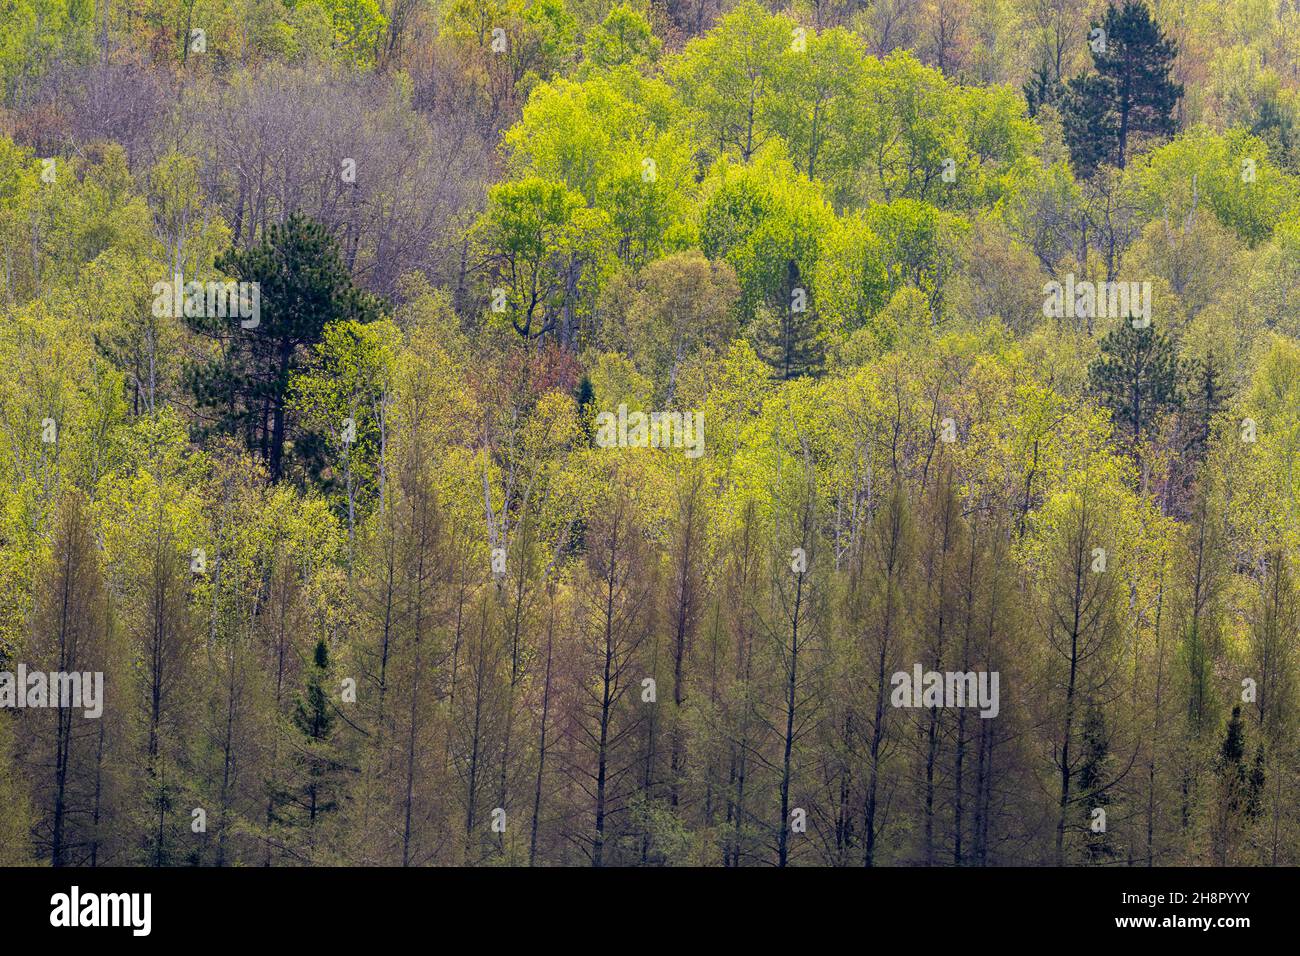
(1232, 759)
(1093, 786)
(314, 784)
(1206, 397)
(1042, 89)
(788, 332)
(1236, 801)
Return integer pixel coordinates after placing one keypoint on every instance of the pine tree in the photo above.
(304, 285)
(1131, 93)
(1089, 123)
(1135, 377)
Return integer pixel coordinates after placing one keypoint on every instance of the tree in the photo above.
(946, 537)
(242, 386)
(1081, 621)
(1275, 620)
(1094, 786)
(727, 77)
(1042, 89)
(344, 392)
(616, 592)
(672, 310)
(1131, 94)
(1207, 395)
(624, 37)
(150, 516)
(1090, 125)
(1136, 377)
(767, 221)
(68, 636)
(542, 249)
(682, 611)
(812, 106)
(1198, 614)
(876, 597)
(314, 787)
(793, 625)
(791, 338)
(919, 247)
(1239, 789)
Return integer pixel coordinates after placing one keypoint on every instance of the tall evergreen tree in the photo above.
(1131, 94)
(1207, 394)
(1089, 123)
(1042, 88)
(788, 332)
(1135, 376)
(242, 389)
(1239, 793)
(312, 793)
(1093, 786)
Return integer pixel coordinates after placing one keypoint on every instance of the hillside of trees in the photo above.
(988, 312)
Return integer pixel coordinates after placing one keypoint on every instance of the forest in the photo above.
(649, 433)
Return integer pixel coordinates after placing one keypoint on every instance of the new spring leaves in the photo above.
(884, 315)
